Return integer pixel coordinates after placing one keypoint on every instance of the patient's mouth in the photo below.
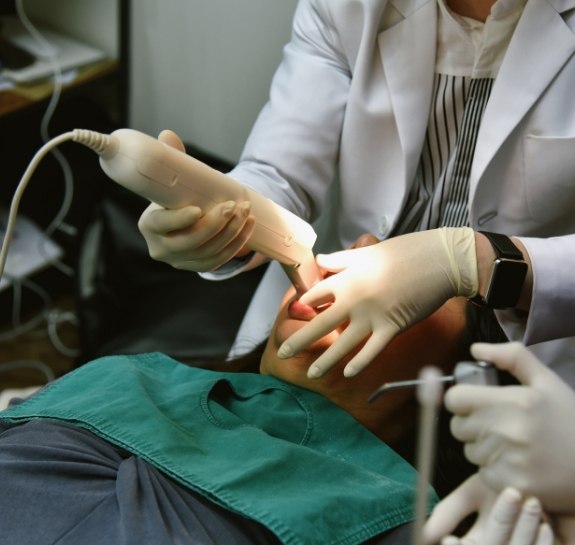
(299, 311)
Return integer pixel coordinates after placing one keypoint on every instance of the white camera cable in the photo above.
(98, 142)
(49, 52)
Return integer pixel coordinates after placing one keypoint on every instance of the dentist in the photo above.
(444, 127)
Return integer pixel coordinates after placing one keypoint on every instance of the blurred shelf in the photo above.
(23, 97)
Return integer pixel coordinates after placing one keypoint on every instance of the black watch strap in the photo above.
(503, 246)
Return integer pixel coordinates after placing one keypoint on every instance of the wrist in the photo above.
(460, 245)
(485, 256)
(524, 302)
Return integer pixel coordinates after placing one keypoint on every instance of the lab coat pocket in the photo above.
(549, 167)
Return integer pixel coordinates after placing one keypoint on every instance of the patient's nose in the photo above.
(299, 311)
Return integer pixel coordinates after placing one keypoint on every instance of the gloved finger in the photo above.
(453, 509)
(236, 232)
(462, 430)
(485, 450)
(480, 424)
(491, 474)
(351, 336)
(213, 261)
(338, 261)
(171, 139)
(217, 221)
(210, 242)
(526, 529)
(513, 357)
(451, 540)
(321, 293)
(463, 399)
(323, 324)
(160, 221)
(545, 535)
(502, 518)
(373, 346)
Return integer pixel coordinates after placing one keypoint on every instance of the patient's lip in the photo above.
(299, 311)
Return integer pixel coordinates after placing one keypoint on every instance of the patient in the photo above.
(144, 449)
(437, 341)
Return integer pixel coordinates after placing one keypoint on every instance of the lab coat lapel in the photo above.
(526, 71)
(407, 52)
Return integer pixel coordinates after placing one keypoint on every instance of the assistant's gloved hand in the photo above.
(382, 290)
(188, 239)
(506, 519)
(520, 436)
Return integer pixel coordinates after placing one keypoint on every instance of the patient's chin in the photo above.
(292, 369)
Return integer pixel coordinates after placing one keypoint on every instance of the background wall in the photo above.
(91, 21)
(203, 67)
(200, 67)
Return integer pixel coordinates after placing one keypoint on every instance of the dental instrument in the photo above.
(173, 179)
(429, 395)
(465, 372)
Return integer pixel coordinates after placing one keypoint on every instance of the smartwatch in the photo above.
(507, 274)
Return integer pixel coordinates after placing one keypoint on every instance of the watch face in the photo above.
(506, 283)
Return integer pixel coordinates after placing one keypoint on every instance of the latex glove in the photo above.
(520, 436)
(382, 290)
(188, 239)
(506, 519)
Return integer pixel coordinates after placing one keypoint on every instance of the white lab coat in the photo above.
(351, 101)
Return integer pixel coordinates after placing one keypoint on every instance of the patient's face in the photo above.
(434, 341)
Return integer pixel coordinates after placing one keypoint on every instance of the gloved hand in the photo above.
(520, 436)
(188, 239)
(502, 520)
(382, 290)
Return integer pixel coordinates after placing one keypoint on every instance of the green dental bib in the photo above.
(273, 452)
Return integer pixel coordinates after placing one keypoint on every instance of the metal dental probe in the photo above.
(465, 372)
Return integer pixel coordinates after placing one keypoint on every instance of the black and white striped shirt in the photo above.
(468, 58)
